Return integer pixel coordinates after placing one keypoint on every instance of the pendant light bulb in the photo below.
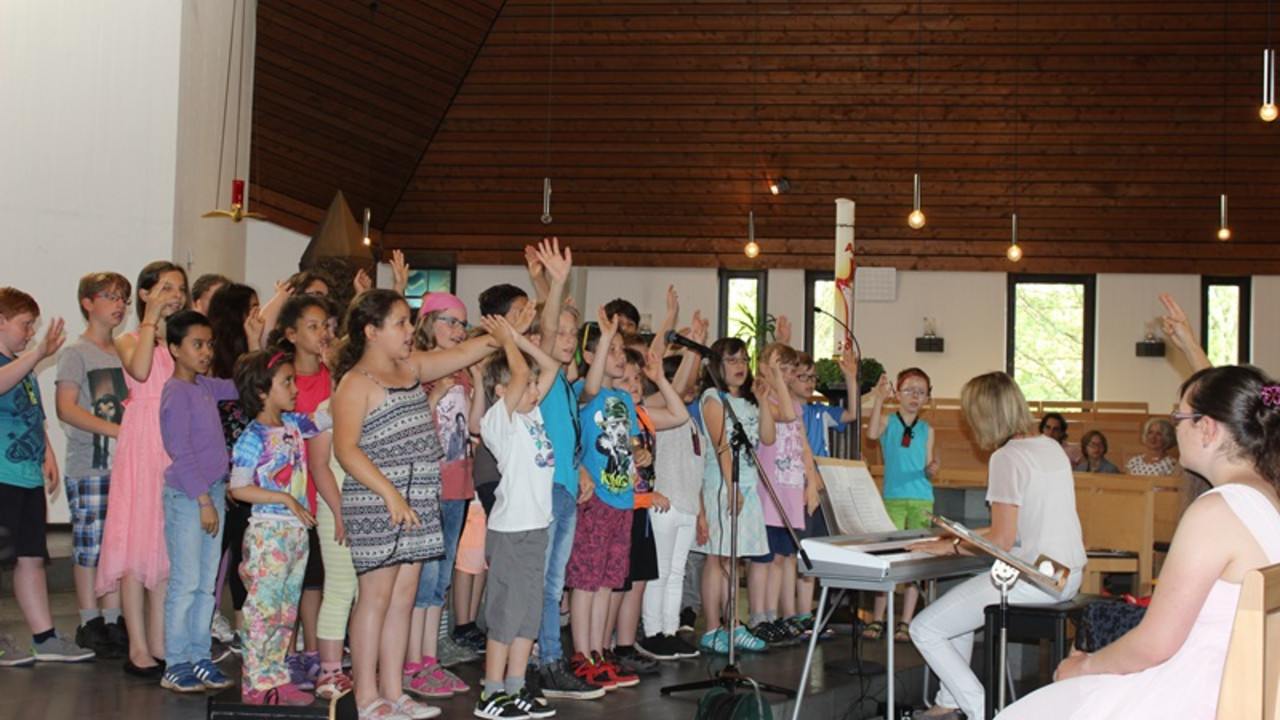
(368, 215)
(916, 219)
(1268, 112)
(751, 249)
(1014, 253)
(1224, 232)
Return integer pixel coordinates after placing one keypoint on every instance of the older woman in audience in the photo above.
(1095, 454)
(1158, 436)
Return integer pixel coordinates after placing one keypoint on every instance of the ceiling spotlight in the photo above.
(1224, 232)
(751, 249)
(1014, 253)
(780, 186)
(916, 218)
(367, 216)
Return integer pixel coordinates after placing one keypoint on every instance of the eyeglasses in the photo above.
(1176, 417)
(453, 322)
(113, 297)
(734, 360)
(807, 378)
(914, 393)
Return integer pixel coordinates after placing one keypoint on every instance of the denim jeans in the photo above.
(193, 569)
(436, 575)
(564, 520)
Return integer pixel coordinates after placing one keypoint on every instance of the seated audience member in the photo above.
(1171, 664)
(1055, 426)
(1094, 444)
(1158, 436)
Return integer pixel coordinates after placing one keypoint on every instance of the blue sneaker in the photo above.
(744, 640)
(211, 676)
(181, 678)
(716, 641)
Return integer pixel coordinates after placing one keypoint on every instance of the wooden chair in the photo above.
(1251, 675)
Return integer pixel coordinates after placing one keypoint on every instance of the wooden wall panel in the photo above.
(1112, 126)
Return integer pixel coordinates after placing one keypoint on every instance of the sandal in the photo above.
(873, 630)
(902, 633)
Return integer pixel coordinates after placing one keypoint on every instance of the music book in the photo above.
(852, 499)
(1046, 573)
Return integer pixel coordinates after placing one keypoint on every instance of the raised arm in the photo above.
(557, 265)
(848, 363)
(595, 376)
(659, 345)
(1178, 328)
(435, 364)
(547, 365)
(16, 370)
(674, 413)
(501, 331)
(541, 287)
(269, 312)
(879, 421)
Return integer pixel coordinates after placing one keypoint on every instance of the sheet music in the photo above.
(853, 497)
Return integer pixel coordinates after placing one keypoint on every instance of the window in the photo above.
(1050, 335)
(431, 280)
(1225, 320)
(742, 307)
(820, 334)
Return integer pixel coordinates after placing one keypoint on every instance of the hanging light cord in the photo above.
(551, 73)
(226, 104)
(919, 82)
(1017, 96)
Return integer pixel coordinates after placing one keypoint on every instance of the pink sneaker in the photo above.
(422, 682)
(332, 685)
(445, 677)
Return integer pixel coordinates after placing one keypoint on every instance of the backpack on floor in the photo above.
(721, 704)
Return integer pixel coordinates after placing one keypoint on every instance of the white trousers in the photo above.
(673, 535)
(943, 633)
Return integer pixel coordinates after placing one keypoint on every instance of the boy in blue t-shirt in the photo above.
(29, 470)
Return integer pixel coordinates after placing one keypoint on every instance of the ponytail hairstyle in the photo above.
(291, 313)
(368, 308)
(713, 370)
(150, 275)
(1247, 403)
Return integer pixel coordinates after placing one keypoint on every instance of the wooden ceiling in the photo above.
(1112, 127)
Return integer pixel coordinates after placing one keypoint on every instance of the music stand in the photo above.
(1047, 574)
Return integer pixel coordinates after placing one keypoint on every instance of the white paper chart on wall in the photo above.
(876, 284)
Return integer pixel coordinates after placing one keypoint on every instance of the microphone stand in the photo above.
(730, 677)
(855, 392)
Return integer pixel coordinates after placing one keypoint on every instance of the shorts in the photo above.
(601, 555)
(517, 568)
(313, 576)
(471, 543)
(908, 514)
(644, 552)
(87, 500)
(487, 494)
(815, 524)
(780, 544)
(22, 523)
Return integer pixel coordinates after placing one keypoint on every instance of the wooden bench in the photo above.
(1251, 674)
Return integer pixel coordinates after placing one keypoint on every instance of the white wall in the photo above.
(88, 131)
(1266, 341)
(271, 253)
(1127, 305)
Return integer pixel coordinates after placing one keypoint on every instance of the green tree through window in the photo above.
(1051, 337)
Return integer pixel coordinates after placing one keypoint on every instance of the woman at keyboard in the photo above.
(1033, 512)
(1170, 665)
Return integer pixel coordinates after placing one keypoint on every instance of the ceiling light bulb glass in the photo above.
(1268, 113)
(916, 219)
(1014, 253)
(1224, 234)
(367, 241)
(751, 249)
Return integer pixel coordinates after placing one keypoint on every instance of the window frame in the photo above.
(812, 277)
(1090, 284)
(1245, 284)
(762, 296)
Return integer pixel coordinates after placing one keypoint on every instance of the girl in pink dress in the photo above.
(1170, 665)
(133, 549)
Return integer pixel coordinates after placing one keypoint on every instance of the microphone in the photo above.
(674, 338)
(840, 322)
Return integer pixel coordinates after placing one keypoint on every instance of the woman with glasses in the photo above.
(1094, 444)
(1171, 664)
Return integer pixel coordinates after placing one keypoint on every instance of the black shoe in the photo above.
(219, 651)
(630, 659)
(657, 647)
(118, 636)
(155, 672)
(687, 618)
(682, 649)
(499, 706)
(527, 703)
(769, 633)
(556, 680)
(94, 636)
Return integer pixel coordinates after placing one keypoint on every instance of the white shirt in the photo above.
(520, 444)
(1034, 474)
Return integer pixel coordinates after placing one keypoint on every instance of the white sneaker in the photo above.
(221, 629)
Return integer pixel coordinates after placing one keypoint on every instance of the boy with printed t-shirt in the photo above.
(90, 401)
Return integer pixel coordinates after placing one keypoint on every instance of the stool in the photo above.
(1105, 562)
(1029, 624)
